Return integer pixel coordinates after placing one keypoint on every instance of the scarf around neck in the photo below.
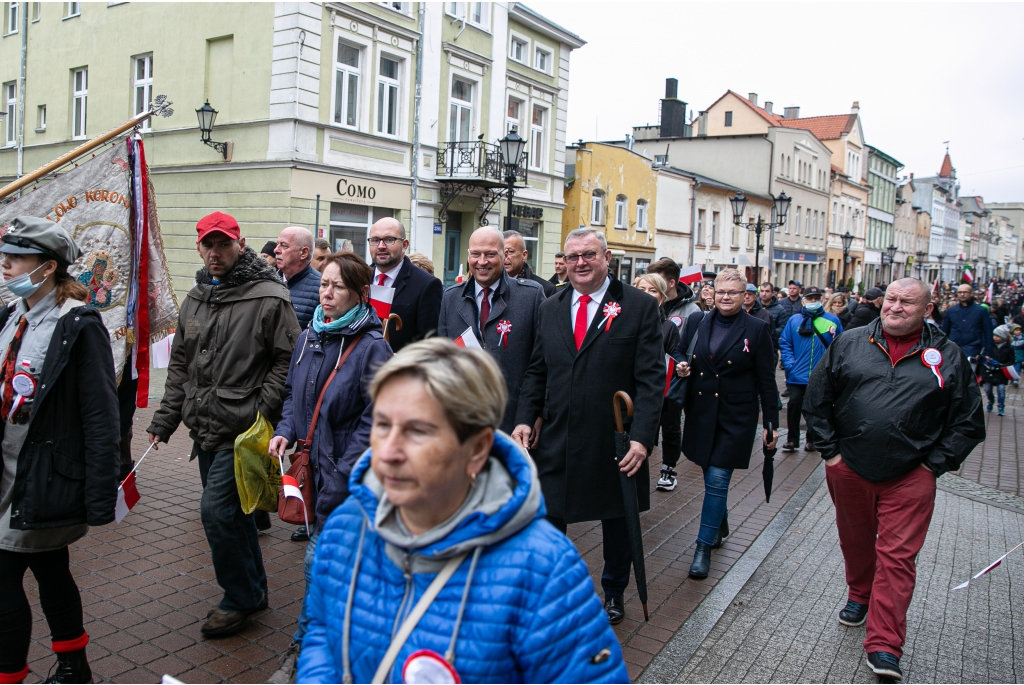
(351, 316)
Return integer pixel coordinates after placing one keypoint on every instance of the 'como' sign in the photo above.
(365, 192)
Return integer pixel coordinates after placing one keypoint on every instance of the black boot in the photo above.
(701, 561)
(72, 667)
(126, 456)
(723, 533)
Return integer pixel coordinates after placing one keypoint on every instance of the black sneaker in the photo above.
(667, 482)
(854, 614)
(885, 665)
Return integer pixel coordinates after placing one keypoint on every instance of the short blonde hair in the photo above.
(466, 383)
(730, 275)
(422, 261)
(656, 281)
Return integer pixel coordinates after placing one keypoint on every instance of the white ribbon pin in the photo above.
(932, 358)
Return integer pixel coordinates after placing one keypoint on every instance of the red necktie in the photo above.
(380, 279)
(580, 331)
(485, 310)
(7, 371)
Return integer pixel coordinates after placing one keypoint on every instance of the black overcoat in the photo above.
(576, 454)
(418, 301)
(724, 391)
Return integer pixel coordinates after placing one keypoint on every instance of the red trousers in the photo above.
(881, 529)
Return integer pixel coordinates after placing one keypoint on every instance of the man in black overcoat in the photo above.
(417, 298)
(594, 338)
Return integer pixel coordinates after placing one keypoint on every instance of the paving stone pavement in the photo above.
(782, 626)
(997, 461)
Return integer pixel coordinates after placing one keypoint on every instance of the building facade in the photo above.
(613, 190)
(905, 232)
(883, 178)
(332, 121)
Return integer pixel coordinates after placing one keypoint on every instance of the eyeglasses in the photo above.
(729, 293)
(587, 257)
(389, 241)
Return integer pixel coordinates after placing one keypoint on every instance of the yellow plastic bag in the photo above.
(257, 474)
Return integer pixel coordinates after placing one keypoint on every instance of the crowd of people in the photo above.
(445, 475)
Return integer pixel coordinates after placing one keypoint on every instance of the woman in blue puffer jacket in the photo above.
(441, 499)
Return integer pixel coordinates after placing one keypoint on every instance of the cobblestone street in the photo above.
(147, 584)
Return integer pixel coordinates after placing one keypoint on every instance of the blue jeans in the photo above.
(307, 572)
(234, 542)
(716, 492)
(1000, 392)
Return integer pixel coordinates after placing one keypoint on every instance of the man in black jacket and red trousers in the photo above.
(594, 338)
(891, 407)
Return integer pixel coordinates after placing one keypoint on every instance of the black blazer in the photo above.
(418, 301)
(724, 391)
(576, 454)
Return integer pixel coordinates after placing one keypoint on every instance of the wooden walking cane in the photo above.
(620, 395)
(398, 326)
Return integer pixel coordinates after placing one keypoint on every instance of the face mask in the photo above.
(813, 307)
(22, 286)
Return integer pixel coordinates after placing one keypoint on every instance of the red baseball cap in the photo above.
(218, 222)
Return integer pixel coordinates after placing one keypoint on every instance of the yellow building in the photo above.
(613, 190)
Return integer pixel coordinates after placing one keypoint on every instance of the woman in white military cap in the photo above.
(58, 438)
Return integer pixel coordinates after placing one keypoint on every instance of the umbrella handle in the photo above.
(398, 326)
(620, 395)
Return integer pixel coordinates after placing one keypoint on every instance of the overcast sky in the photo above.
(923, 73)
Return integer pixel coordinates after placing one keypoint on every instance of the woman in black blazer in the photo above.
(732, 372)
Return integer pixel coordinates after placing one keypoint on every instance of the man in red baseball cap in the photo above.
(229, 361)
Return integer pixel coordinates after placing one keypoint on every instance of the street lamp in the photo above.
(920, 262)
(207, 117)
(847, 239)
(941, 258)
(511, 147)
(779, 212)
(891, 251)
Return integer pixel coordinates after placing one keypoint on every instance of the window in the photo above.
(518, 49)
(403, 7)
(750, 235)
(346, 85)
(41, 118)
(79, 102)
(515, 115)
(814, 225)
(621, 211)
(735, 236)
(143, 87)
(537, 155)
(728, 118)
(460, 124)
(11, 15)
(597, 208)
(714, 228)
(10, 93)
(700, 226)
(387, 97)
(661, 159)
(796, 224)
(785, 226)
(641, 215)
(835, 210)
(807, 224)
(350, 225)
(36, 10)
(72, 9)
(542, 60)
(478, 14)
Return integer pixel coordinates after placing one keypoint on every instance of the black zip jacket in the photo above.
(67, 469)
(887, 420)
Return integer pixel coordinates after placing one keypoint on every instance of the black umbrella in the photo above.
(629, 500)
(768, 469)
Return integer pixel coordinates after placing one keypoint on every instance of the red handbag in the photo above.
(289, 509)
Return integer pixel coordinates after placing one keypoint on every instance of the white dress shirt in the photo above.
(592, 306)
(389, 276)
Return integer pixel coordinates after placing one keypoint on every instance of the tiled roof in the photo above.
(947, 166)
(772, 119)
(824, 128)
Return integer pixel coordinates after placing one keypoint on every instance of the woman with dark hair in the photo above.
(59, 433)
(343, 319)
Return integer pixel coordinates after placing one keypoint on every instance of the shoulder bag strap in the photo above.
(693, 340)
(320, 400)
(414, 617)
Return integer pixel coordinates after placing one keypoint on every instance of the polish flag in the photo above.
(459, 278)
(988, 568)
(468, 340)
(989, 293)
(691, 274)
(290, 487)
(1011, 373)
(968, 274)
(127, 497)
(380, 298)
(670, 371)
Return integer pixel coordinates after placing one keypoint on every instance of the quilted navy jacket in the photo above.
(530, 611)
(304, 289)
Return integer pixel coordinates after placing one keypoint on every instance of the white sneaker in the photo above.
(667, 481)
(289, 663)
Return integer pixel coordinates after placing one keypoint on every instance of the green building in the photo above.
(313, 99)
(881, 263)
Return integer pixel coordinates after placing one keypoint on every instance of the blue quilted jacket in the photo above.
(304, 289)
(530, 614)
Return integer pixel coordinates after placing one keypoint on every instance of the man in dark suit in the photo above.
(417, 297)
(594, 338)
(516, 255)
(561, 277)
(501, 312)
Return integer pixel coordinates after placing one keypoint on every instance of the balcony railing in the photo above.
(475, 162)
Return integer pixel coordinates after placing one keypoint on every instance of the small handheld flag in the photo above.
(968, 274)
(127, 494)
(670, 371)
(459, 278)
(381, 297)
(1011, 373)
(692, 274)
(987, 569)
(290, 488)
(468, 340)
